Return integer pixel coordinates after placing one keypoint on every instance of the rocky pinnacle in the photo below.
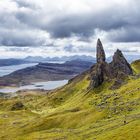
(100, 52)
(117, 70)
(119, 63)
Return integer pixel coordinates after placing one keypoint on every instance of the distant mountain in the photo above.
(38, 59)
(12, 61)
(34, 59)
(81, 57)
(60, 59)
(79, 62)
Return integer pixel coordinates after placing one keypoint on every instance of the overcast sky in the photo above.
(67, 27)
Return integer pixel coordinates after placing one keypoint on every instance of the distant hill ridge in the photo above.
(38, 59)
(45, 72)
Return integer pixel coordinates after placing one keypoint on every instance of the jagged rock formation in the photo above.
(100, 52)
(97, 76)
(118, 69)
(101, 70)
(119, 63)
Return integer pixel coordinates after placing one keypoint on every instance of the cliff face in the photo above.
(117, 69)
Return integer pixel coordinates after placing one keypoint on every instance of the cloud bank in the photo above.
(67, 27)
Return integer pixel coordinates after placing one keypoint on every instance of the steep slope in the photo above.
(136, 66)
(75, 112)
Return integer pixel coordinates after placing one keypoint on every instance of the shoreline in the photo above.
(38, 86)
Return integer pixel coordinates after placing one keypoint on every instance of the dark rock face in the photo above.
(117, 69)
(120, 69)
(98, 72)
(100, 52)
(97, 76)
(120, 64)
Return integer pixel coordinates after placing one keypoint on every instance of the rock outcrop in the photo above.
(97, 75)
(17, 106)
(99, 71)
(100, 52)
(120, 64)
(118, 69)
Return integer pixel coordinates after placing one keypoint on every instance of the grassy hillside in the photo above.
(136, 66)
(75, 113)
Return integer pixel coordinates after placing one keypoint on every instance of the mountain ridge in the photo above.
(45, 72)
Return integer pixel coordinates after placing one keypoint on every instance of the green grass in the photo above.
(136, 66)
(75, 113)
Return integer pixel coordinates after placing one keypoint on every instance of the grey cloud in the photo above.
(20, 38)
(125, 34)
(27, 4)
(130, 51)
(65, 25)
(86, 49)
(111, 20)
(69, 48)
(17, 49)
(83, 25)
(30, 18)
(80, 49)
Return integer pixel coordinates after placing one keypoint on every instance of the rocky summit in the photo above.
(117, 70)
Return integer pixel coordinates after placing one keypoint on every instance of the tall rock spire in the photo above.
(100, 56)
(99, 71)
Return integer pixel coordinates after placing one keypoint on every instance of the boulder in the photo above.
(17, 106)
